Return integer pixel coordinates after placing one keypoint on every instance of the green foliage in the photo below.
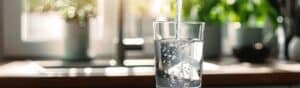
(40, 5)
(77, 10)
(255, 13)
(210, 11)
(247, 12)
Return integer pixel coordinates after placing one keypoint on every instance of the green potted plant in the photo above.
(253, 16)
(77, 14)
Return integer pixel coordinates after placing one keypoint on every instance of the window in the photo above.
(28, 33)
(40, 34)
(51, 23)
(138, 18)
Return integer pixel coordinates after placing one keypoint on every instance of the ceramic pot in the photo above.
(76, 41)
(212, 41)
(249, 47)
(294, 48)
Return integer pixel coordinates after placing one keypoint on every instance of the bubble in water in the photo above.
(164, 61)
(173, 52)
(173, 57)
(169, 62)
(164, 49)
(180, 69)
(165, 54)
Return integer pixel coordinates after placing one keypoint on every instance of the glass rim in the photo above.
(183, 22)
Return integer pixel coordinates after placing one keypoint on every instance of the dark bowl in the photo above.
(255, 53)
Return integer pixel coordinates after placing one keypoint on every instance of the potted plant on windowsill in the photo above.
(253, 16)
(76, 14)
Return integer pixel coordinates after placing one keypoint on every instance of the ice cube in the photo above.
(184, 70)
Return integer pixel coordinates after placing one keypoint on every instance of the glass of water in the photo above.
(178, 54)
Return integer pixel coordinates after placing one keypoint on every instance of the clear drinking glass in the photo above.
(178, 60)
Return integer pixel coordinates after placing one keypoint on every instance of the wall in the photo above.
(1, 28)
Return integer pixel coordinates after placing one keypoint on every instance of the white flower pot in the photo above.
(294, 48)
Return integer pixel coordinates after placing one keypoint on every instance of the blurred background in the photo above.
(39, 28)
(101, 33)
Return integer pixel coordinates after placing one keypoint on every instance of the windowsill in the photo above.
(96, 75)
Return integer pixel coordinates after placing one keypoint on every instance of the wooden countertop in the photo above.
(32, 75)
